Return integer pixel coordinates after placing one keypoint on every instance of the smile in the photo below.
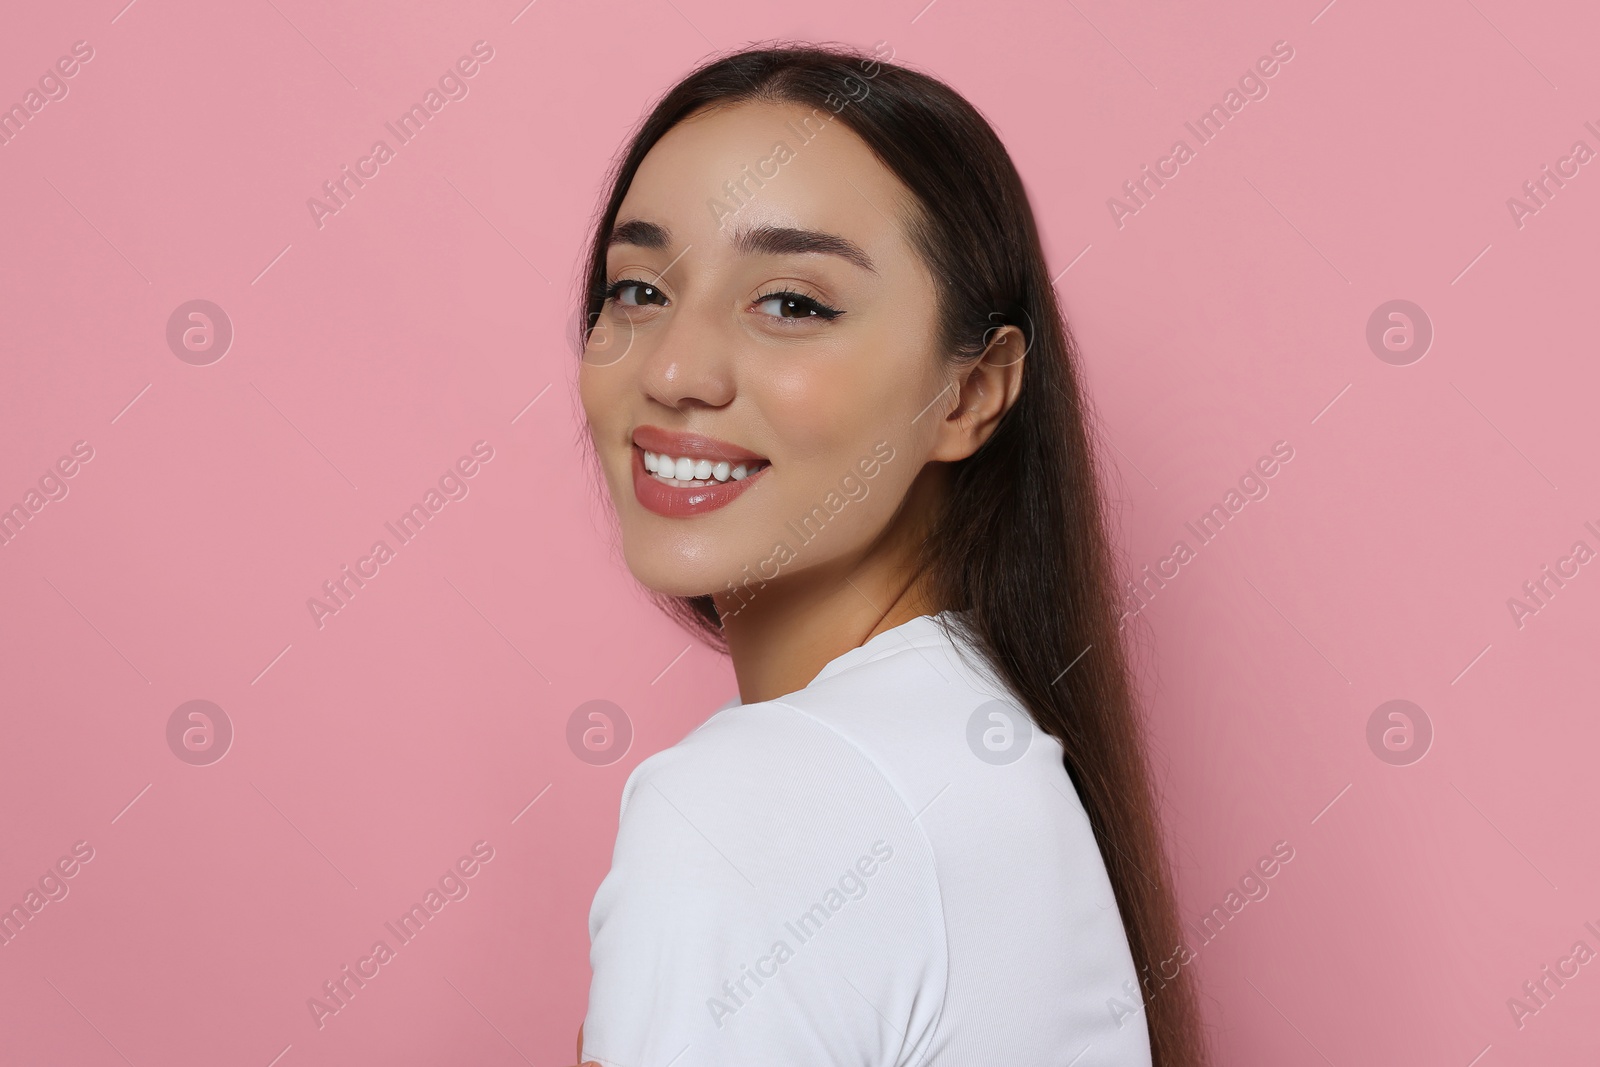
(678, 475)
(688, 471)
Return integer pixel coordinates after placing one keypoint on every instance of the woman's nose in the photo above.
(687, 360)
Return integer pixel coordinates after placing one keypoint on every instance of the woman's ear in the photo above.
(985, 390)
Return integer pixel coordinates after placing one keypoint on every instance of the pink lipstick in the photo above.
(679, 475)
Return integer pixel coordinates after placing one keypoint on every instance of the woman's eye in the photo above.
(631, 293)
(788, 305)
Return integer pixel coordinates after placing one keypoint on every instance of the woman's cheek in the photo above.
(830, 419)
(591, 395)
(803, 409)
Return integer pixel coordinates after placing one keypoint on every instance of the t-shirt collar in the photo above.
(913, 633)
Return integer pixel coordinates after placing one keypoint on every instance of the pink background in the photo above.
(428, 314)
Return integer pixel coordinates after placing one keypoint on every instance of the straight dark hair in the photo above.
(1021, 547)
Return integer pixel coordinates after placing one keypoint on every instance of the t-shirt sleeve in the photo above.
(771, 901)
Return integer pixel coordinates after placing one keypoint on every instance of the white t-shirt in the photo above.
(883, 868)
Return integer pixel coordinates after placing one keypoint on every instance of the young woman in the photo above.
(830, 391)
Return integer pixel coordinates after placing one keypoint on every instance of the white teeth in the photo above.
(694, 471)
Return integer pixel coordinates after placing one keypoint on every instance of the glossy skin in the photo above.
(835, 372)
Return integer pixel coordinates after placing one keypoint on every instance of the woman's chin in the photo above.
(676, 576)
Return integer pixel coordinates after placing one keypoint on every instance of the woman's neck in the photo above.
(780, 640)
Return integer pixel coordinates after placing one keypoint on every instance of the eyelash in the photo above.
(818, 309)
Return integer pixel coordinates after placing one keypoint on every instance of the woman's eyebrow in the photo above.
(757, 241)
(641, 233)
(787, 241)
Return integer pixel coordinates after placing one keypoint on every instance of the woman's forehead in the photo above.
(757, 167)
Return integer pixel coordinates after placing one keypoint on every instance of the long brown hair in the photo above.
(1021, 547)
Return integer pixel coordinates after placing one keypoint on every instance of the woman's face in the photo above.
(767, 312)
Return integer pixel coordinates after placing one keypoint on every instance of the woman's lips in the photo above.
(686, 443)
(677, 502)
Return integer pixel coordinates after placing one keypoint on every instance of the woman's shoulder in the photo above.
(749, 750)
(894, 722)
(760, 834)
